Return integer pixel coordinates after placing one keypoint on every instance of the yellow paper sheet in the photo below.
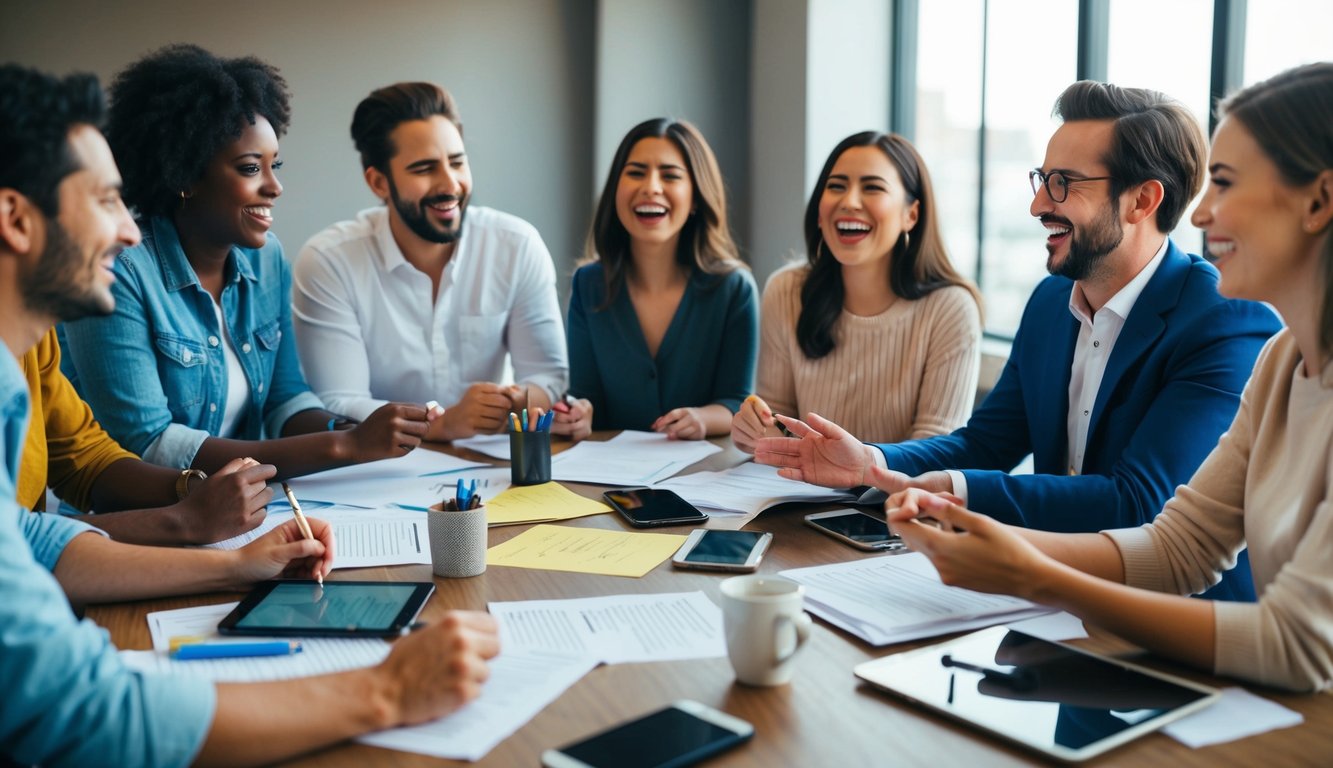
(585, 550)
(539, 503)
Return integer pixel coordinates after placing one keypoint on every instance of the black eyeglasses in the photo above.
(1057, 183)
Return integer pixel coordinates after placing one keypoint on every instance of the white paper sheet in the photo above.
(363, 538)
(629, 459)
(419, 479)
(520, 686)
(747, 490)
(495, 446)
(318, 655)
(1237, 715)
(1055, 627)
(895, 598)
(615, 628)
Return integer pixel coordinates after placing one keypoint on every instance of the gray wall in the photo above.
(522, 71)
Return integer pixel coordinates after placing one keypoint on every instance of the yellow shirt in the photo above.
(66, 447)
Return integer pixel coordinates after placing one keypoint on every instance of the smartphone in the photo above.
(649, 507)
(738, 551)
(854, 527)
(680, 735)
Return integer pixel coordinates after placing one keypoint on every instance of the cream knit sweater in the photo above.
(909, 372)
(1267, 483)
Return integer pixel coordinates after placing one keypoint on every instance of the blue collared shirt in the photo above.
(154, 371)
(68, 698)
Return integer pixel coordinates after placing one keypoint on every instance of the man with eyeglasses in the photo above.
(1127, 365)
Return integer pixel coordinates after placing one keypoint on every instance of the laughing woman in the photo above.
(197, 366)
(1268, 485)
(877, 326)
(663, 323)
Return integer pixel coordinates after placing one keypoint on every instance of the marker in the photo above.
(197, 651)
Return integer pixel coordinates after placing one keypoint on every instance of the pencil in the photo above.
(304, 525)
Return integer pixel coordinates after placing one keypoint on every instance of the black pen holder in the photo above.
(529, 458)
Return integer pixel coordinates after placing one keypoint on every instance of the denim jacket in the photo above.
(154, 370)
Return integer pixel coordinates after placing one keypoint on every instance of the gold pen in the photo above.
(304, 525)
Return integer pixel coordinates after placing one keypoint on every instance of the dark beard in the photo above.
(415, 217)
(53, 288)
(1087, 251)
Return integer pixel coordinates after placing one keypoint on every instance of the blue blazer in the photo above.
(1171, 388)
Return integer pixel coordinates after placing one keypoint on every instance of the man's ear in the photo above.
(378, 182)
(1144, 201)
(18, 221)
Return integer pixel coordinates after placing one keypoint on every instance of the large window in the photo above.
(1279, 34)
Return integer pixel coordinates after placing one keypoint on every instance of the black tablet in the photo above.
(337, 609)
(1063, 702)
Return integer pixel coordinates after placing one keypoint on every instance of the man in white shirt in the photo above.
(1127, 365)
(421, 299)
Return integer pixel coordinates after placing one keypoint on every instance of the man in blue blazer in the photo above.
(1127, 365)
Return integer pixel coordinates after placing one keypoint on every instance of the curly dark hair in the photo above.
(37, 112)
(176, 108)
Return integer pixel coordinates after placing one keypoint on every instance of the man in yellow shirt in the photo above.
(67, 450)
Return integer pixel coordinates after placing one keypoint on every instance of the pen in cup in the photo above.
(197, 651)
(304, 525)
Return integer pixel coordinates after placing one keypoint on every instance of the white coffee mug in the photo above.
(765, 627)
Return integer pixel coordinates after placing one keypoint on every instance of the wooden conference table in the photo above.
(825, 717)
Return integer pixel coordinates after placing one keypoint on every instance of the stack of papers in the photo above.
(895, 598)
(362, 538)
(418, 480)
(747, 490)
(629, 459)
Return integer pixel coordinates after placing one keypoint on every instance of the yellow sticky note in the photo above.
(585, 550)
(534, 503)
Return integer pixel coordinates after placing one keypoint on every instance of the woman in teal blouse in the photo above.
(663, 321)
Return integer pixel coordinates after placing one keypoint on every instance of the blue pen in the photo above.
(236, 650)
(525, 419)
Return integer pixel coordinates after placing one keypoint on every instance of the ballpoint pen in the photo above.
(304, 525)
(193, 651)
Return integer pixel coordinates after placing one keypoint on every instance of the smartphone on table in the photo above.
(679, 735)
(651, 507)
(856, 528)
(736, 551)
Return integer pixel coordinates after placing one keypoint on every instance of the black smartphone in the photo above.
(854, 527)
(680, 735)
(649, 507)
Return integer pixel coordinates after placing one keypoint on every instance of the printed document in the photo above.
(585, 550)
(629, 459)
(895, 598)
(747, 490)
(419, 479)
(363, 538)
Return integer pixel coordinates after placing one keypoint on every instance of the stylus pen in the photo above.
(194, 651)
(1018, 679)
(304, 525)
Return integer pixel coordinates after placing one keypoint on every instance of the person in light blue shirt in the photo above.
(69, 700)
(663, 324)
(197, 365)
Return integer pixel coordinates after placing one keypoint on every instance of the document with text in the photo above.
(362, 538)
(895, 598)
(629, 459)
(747, 490)
(419, 479)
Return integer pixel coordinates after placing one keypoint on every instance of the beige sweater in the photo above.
(1267, 483)
(909, 372)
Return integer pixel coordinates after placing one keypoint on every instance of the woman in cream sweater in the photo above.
(876, 329)
(1269, 482)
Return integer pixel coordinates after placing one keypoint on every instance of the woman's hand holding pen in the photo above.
(285, 552)
(969, 550)
(439, 668)
(753, 421)
(573, 418)
(393, 430)
(229, 502)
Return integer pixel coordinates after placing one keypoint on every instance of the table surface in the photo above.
(826, 716)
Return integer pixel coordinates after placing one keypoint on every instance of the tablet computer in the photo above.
(336, 609)
(1065, 703)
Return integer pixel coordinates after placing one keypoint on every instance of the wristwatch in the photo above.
(183, 482)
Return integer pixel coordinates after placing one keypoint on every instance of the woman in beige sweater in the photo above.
(1269, 481)
(876, 331)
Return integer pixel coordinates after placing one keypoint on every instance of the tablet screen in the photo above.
(337, 608)
(1047, 696)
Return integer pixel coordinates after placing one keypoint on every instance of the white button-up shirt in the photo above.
(369, 331)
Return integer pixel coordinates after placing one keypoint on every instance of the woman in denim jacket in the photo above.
(197, 364)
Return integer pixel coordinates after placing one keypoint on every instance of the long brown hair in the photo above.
(920, 264)
(705, 243)
(1290, 115)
